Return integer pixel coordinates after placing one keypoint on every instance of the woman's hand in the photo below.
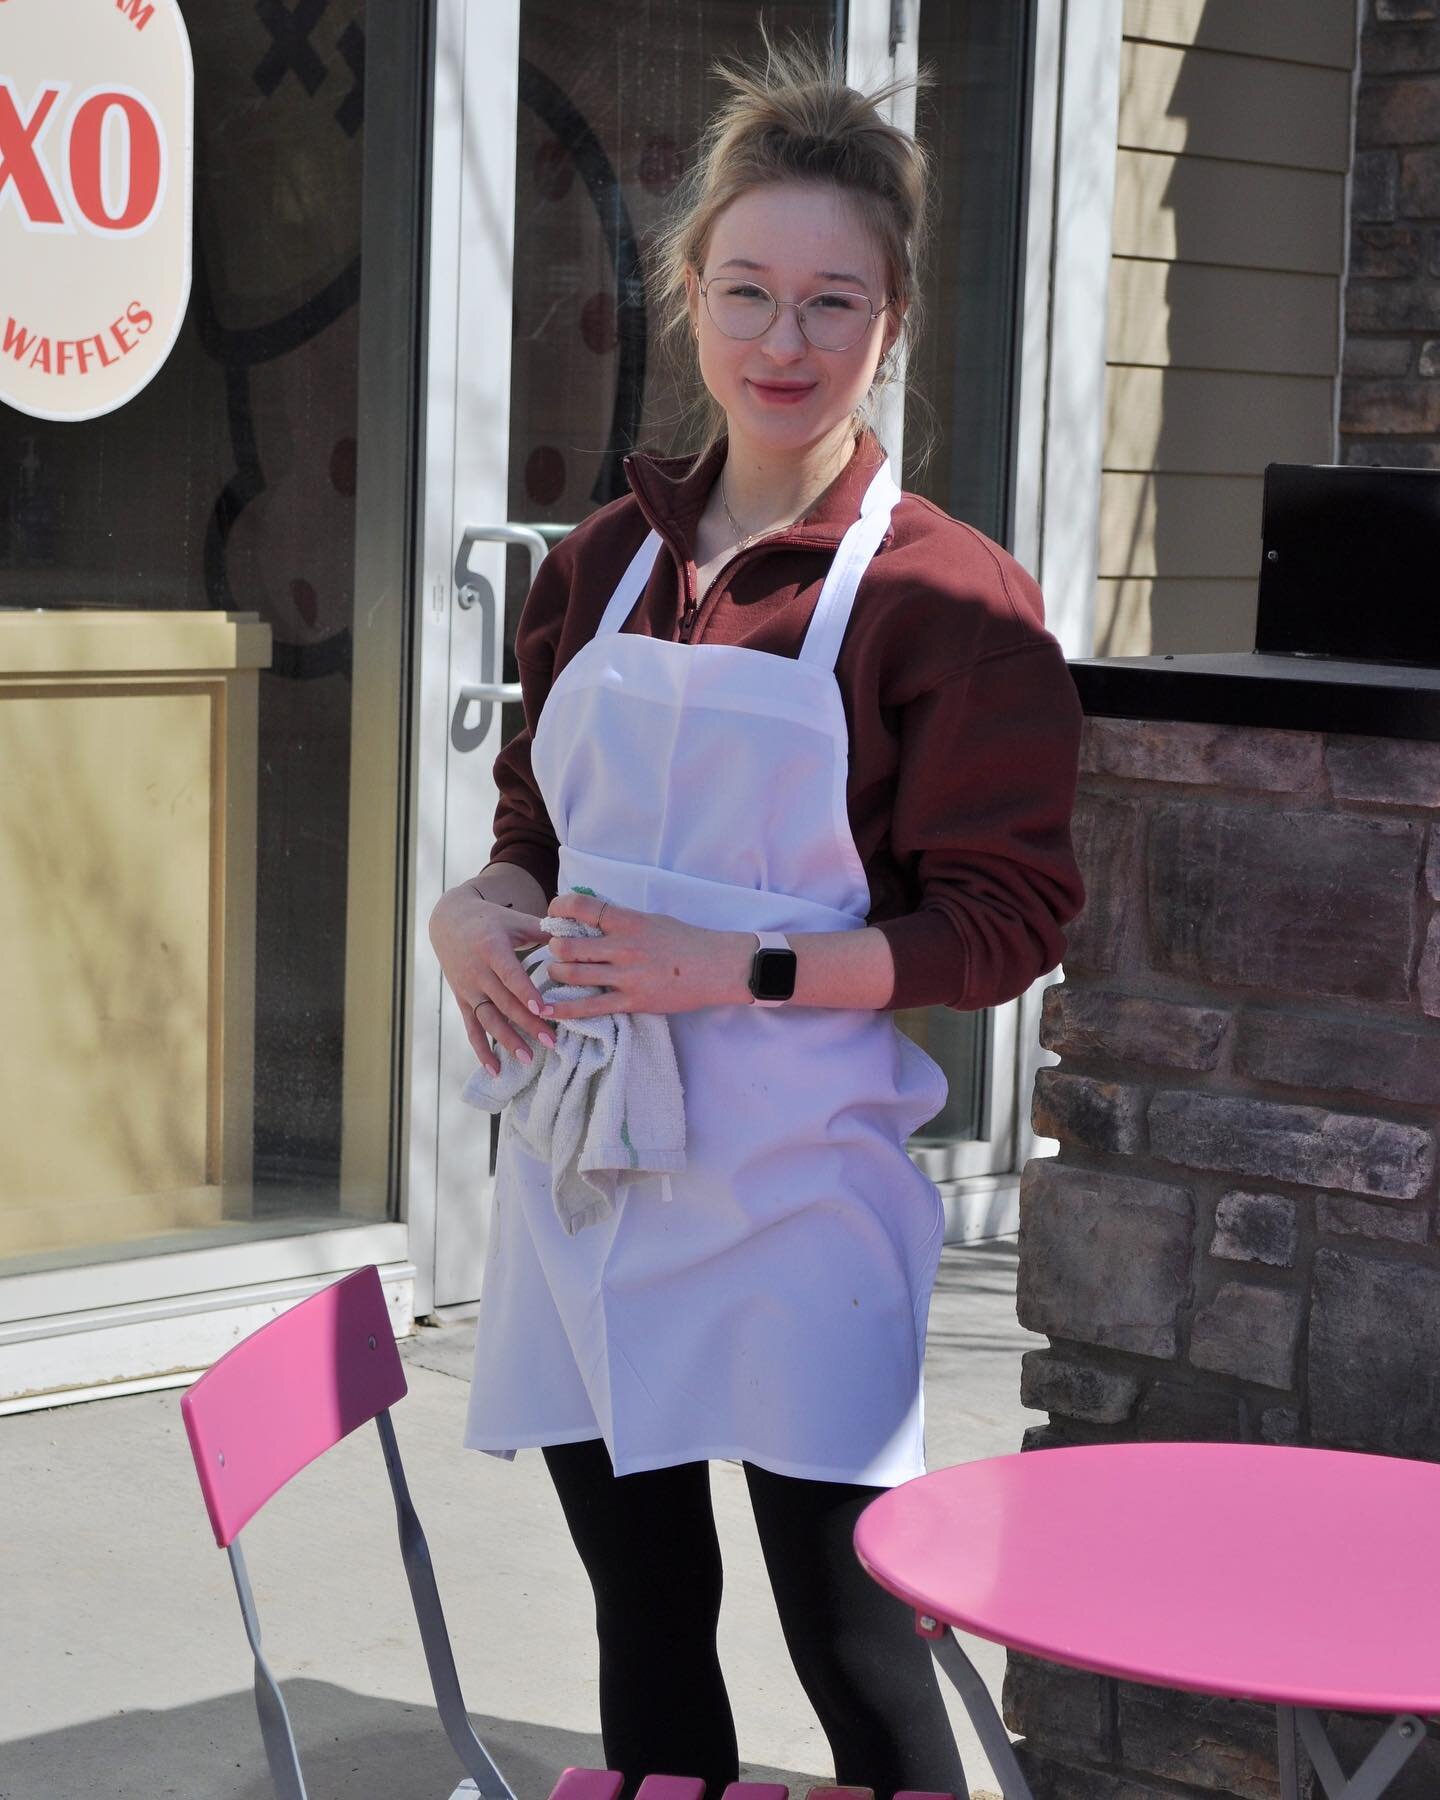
(478, 942)
(645, 962)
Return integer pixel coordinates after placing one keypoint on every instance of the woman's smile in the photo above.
(780, 393)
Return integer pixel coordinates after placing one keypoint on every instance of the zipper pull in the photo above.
(687, 621)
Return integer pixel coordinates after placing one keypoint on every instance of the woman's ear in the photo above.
(692, 300)
(894, 323)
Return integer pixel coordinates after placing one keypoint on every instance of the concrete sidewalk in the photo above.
(124, 1669)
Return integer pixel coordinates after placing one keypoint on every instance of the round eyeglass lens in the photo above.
(744, 309)
(835, 321)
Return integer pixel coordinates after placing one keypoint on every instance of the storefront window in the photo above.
(202, 629)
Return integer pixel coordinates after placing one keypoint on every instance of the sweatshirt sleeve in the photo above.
(981, 824)
(524, 834)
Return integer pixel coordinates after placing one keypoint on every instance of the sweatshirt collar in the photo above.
(672, 491)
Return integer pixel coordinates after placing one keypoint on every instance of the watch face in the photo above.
(772, 974)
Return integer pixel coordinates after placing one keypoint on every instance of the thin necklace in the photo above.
(742, 539)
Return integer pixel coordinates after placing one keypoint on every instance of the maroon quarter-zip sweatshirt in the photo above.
(964, 721)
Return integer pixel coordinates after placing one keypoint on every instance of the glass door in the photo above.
(560, 136)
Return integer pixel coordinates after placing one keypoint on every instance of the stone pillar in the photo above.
(1390, 387)
(1236, 1239)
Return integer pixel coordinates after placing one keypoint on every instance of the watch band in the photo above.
(769, 940)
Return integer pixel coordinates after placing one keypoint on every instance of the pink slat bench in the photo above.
(605, 1784)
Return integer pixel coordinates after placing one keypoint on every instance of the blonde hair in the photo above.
(795, 119)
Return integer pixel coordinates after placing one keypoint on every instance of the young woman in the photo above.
(809, 738)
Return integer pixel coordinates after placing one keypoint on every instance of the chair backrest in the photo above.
(287, 1393)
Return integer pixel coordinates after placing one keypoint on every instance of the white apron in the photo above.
(772, 1308)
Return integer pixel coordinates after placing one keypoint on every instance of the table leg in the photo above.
(1399, 1743)
(989, 1727)
(1289, 1755)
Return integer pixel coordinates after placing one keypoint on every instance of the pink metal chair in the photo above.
(283, 1397)
(273, 1404)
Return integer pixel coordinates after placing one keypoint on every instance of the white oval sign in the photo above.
(96, 169)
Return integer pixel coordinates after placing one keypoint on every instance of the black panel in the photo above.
(1351, 563)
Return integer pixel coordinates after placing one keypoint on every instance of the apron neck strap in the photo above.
(631, 586)
(859, 544)
(837, 596)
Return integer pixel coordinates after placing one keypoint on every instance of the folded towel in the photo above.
(604, 1102)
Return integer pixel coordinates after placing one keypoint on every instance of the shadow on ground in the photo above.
(352, 1747)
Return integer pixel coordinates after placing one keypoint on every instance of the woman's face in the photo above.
(779, 393)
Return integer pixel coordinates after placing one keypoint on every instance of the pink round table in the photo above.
(1308, 1579)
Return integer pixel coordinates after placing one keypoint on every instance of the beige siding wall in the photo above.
(1234, 140)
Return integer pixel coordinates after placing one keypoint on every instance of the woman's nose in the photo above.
(784, 341)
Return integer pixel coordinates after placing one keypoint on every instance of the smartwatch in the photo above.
(772, 972)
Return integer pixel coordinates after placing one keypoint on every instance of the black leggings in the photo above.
(648, 1544)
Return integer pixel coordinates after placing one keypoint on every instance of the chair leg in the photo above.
(280, 1751)
(989, 1727)
(490, 1784)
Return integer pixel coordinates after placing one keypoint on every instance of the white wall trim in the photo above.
(1349, 213)
(133, 1349)
(59, 1298)
(1087, 124)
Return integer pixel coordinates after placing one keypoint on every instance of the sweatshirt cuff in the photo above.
(931, 962)
(543, 865)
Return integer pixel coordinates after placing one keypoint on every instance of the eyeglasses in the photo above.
(744, 309)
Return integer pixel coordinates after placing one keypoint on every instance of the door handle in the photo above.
(471, 590)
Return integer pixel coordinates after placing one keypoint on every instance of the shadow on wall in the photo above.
(1224, 318)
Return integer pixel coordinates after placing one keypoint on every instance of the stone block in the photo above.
(1304, 1144)
(1386, 249)
(1384, 771)
(1427, 976)
(1106, 835)
(1050, 1382)
(1375, 1355)
(1412, 49)
(1316, 903)
(1220, 1746)
(1376, 182)
(1402, 12)
(1429, 364)
(1047, 1437)
(1051, 1779)
(1432, 867)
(1280, 1425)
(1097, 1115)
(1384, 453)
(1406, 111)
(1249, 1332)
(1377, 356)
(1227, 756)
(1058, 1708)
(1304, 1051)
(1378, 305)
(1104, 1259)
(1419, 187)
(1255, 1228)
(1172, 1413)
(1081, 1022)
(1389, 406)
(1339, 1217)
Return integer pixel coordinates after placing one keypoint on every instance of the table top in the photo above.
(1292, 1576)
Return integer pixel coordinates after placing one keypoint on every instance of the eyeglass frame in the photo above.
(820, 293)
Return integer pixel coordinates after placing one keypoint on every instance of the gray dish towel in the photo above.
(606, 1102)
